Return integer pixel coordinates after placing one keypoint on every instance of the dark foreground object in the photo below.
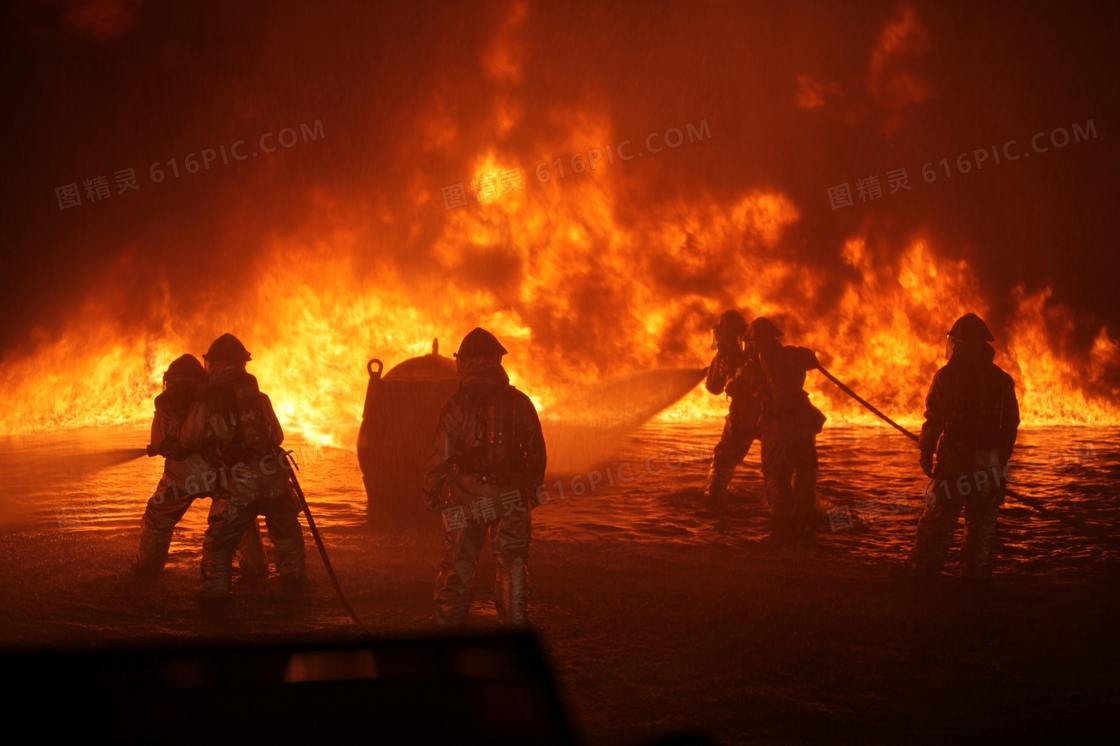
(492, 689)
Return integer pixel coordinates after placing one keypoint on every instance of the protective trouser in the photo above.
(167, 506)
(235, 509)
(789, 472)
(734, 443)
(980, 498)
(510, 539)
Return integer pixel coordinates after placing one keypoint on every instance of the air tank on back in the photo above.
(395, 440)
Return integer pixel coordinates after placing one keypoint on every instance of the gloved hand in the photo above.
(925, 460)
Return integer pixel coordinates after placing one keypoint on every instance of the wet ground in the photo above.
(660, 612)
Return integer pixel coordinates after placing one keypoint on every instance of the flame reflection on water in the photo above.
(869, 486)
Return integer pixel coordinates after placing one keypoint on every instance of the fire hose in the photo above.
(871, 408)
(294, 467)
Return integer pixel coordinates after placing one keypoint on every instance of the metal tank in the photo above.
(395, 440)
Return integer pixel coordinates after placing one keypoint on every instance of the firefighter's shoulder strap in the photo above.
(767, 389)
(516, 426)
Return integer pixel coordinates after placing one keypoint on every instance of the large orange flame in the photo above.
(576, 293)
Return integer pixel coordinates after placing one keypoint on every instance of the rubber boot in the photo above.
(511, 594)
(252, 562)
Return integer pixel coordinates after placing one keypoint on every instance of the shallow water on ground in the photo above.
(870, 490)
(658, 611)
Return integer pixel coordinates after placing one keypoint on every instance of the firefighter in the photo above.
(235, 428)
(729, 372)
(789, 424)
(971, 422)
(185, 477)
(485, 473)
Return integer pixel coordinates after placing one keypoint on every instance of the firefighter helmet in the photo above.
(184, 368)
(227, 349)
(762, 329)
(480, 343)
(731, 324)
(971, 328)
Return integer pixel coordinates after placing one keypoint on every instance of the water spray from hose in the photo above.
(587, 427)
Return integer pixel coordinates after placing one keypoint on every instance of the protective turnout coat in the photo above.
(487, 465)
